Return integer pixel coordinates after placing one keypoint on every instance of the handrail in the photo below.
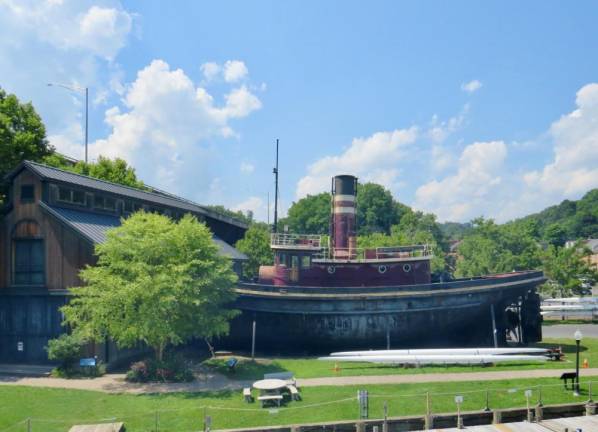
(296, 240)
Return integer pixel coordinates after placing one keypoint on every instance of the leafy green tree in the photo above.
(377, 211)
(567, 268)
(22, 136)
(555, 235)
(113, 170)
(491, 248)
(230, 213)
(156, 281)
(309, 215)
(256, 245)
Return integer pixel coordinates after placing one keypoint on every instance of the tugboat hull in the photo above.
(315, 320)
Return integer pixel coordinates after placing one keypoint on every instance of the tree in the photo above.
(113, 170)
(220, 209)
(555, 235)
(567, 268)
(309, 215)
(22, 136)
(376, 209)
(256, 245)
(492, 248)
(156, 281)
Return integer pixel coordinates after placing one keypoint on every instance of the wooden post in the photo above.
(385, 424)
(253, 341)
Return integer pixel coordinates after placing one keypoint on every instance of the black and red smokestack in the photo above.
(342, 219)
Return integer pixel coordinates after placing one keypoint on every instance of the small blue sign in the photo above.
(87, 362)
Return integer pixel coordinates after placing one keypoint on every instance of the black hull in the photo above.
(315, 320)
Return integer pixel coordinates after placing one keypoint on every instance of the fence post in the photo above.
(428, 421)
(156, 421)
(590, 405)
(487, 407)
(385, 424)
(496, 417)
(539, 396)
(28, 425)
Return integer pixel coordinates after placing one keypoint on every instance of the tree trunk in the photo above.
(159, 349)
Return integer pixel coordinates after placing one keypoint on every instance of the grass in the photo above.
(313, 368)
(54, 410)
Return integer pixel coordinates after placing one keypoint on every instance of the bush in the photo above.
(172, 369)
(65, 349)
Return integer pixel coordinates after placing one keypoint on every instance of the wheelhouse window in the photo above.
(27, 193)
(28, 266)
(305, 261)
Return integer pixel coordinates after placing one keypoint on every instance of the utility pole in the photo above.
(275, 171)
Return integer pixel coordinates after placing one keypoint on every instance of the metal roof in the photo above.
(93, 227)
(159, 198)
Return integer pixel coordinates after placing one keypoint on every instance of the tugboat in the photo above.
(323, 295)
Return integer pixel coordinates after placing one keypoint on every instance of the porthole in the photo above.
(331, 269)
(407, 268)
(382, 269)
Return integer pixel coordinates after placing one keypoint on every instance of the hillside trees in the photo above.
(156, 281)
(567, 269)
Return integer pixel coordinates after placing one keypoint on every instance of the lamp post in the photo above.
(78, 89)
(577, 335)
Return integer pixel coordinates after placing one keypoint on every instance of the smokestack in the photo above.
(342, 229)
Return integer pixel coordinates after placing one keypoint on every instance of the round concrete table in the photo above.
(269, 384)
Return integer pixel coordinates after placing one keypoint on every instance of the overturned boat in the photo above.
(324, 295)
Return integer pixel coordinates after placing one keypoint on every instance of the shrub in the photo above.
(66, 349)
(172, 369)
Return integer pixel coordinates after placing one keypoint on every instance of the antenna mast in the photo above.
(275, 171)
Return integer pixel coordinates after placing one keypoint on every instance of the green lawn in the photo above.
(311, 367)
(53, 410)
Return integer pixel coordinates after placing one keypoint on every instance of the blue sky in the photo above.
(459, 108)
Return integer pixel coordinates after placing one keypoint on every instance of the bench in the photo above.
(270, 398)
(231, 363)
(247, 394)
(569, 376)
(285, 376)
(294, 392)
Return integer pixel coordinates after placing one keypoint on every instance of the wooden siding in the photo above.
(65, 252)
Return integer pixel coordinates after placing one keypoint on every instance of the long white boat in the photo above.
(445, 352)
(409, 359)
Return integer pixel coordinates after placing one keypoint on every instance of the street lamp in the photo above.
(78, 90)
(577, 335)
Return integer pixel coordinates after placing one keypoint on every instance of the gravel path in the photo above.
(115, 383)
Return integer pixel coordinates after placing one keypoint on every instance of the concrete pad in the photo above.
(103, 427)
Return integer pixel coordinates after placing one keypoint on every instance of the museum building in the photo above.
(49, 227)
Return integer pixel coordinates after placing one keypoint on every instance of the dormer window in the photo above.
(104, 203)
(71, 196)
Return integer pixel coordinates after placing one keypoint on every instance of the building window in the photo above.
(27, 193)
(104, 203)
(305, 261)
(28, 262)
(71, 196)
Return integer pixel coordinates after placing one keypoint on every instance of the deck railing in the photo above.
(296, 241)
(361, 254)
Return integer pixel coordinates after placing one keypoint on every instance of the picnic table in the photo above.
(266, 398)
(270, 390)
(270, 385)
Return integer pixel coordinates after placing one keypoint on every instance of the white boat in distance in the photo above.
(445, 352)
(411, 359)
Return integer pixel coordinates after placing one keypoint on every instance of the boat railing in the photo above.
(364, 254)
(296, 241)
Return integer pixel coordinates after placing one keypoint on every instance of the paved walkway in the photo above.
(567, 330)
(115, 383)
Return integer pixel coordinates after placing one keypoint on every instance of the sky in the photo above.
(462, 108)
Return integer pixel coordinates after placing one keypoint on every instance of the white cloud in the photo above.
(373, 158)
(439, 131)
(70, 42)
(234, 70)
(210, 70)
(253, 204)
(241, 102)
(574, 169)
(247, 168)
(471, 86)
(471, 191)
(164, 125)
